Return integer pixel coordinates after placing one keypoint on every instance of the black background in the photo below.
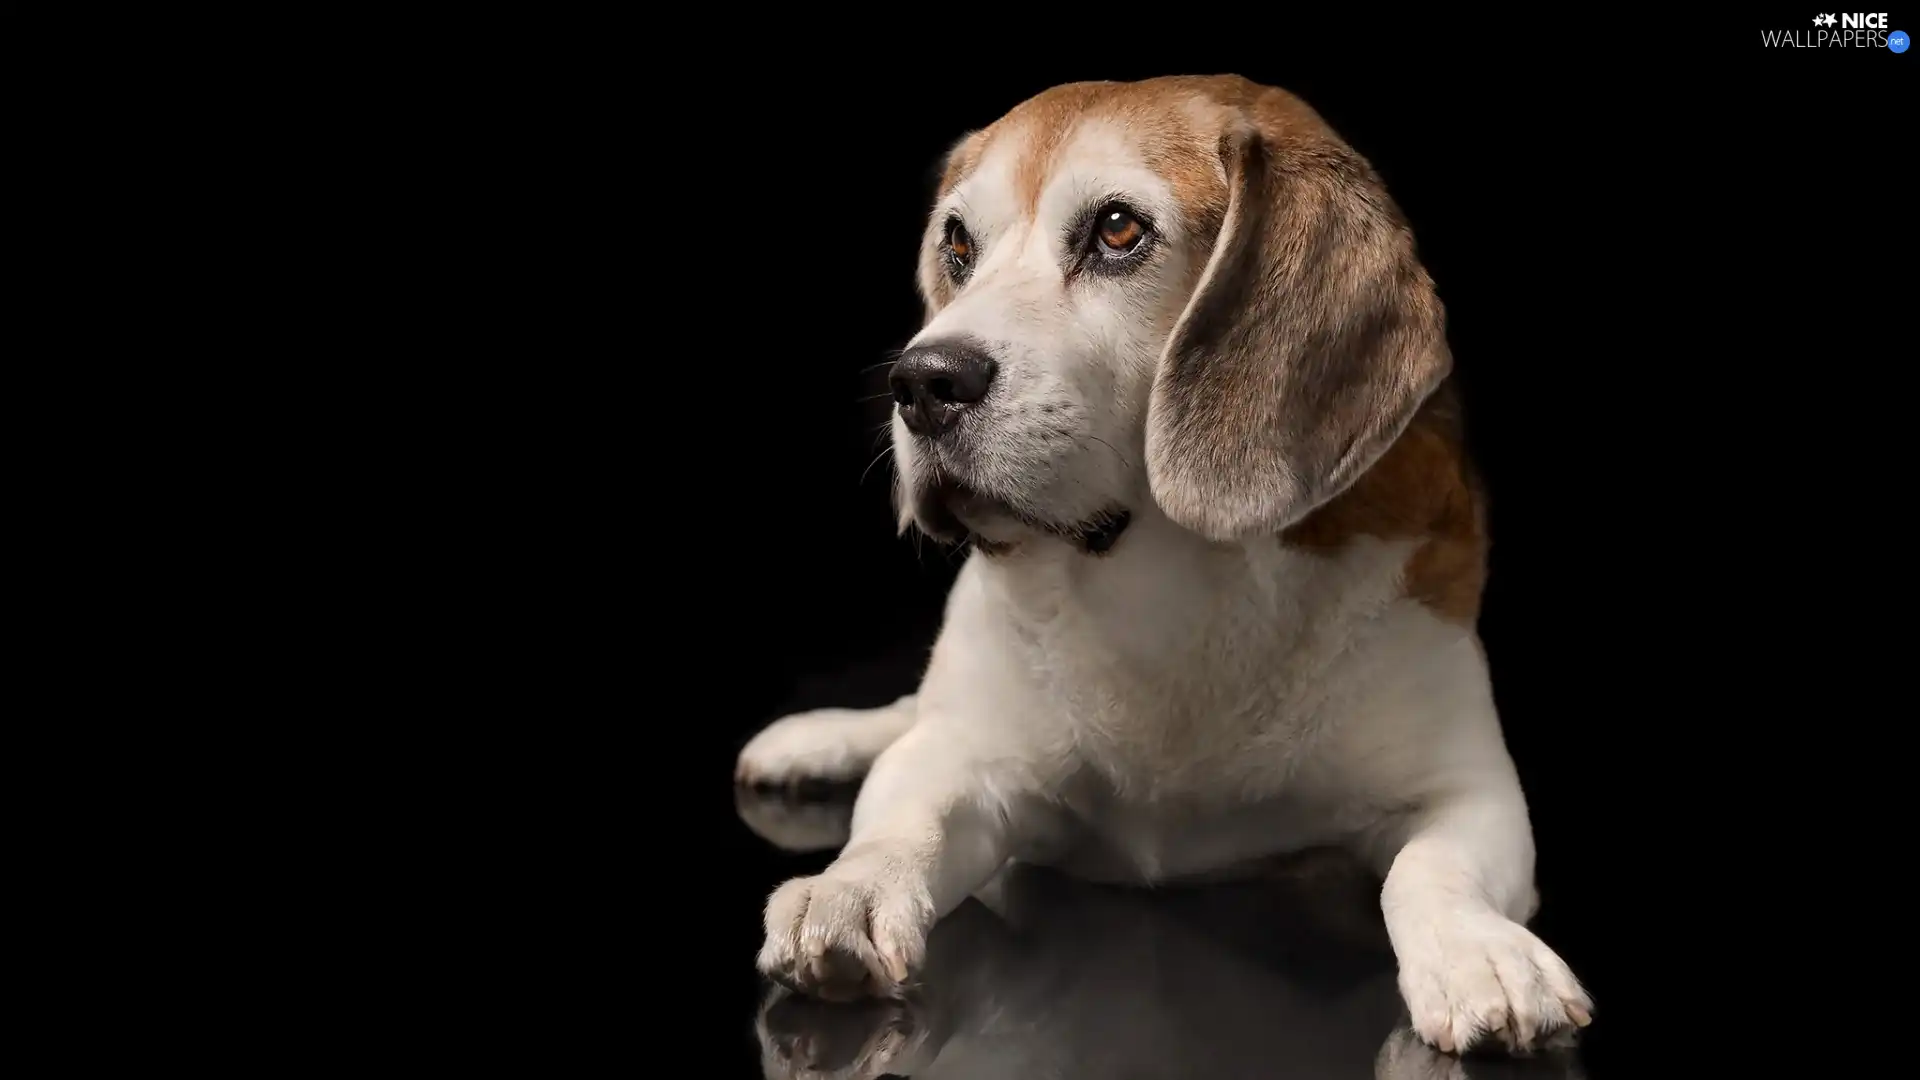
(652, 526)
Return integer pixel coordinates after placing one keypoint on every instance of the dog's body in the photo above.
(1183, 384)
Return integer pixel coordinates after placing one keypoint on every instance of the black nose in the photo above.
(933, 383)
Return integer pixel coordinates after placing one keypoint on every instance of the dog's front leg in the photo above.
(927, 831)
(1455, 895)
(833, 745)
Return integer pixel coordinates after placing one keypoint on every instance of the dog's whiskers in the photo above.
(876, 460)
(1110, 446)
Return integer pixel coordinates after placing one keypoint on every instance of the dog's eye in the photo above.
(959, 247)
(1118, 232)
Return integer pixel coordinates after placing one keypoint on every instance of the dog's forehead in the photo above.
(1012, 186)
(1157, 134)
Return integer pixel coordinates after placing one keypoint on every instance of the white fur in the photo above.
(822, 744)
(1175, 708)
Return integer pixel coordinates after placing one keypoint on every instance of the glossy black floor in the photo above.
(1043, 976)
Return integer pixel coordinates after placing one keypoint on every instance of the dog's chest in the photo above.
(1200, 673)
(1174, 838)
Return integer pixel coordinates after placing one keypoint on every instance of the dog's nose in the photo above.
(932, 383)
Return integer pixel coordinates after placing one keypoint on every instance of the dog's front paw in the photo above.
(858, 930)
(824, 746)
(1471, 978)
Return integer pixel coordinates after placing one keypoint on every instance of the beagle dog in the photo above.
(1182, 386)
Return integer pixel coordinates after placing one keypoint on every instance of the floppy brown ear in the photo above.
(1308, 345)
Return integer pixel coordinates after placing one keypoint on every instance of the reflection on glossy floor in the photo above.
(1042, 976)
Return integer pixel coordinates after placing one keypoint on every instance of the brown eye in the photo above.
(959, 244)
(1119, 232)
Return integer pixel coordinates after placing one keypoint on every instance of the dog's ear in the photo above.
(1311, 340)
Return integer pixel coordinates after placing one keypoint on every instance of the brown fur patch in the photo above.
(1423, 486)
(961, 161)
(1154, 113)
(1045, 122)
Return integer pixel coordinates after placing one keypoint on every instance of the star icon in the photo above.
(1828, 19)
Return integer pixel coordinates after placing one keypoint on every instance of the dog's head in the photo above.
(1185, 288)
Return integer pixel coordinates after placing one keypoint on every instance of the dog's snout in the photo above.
(933, 383)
